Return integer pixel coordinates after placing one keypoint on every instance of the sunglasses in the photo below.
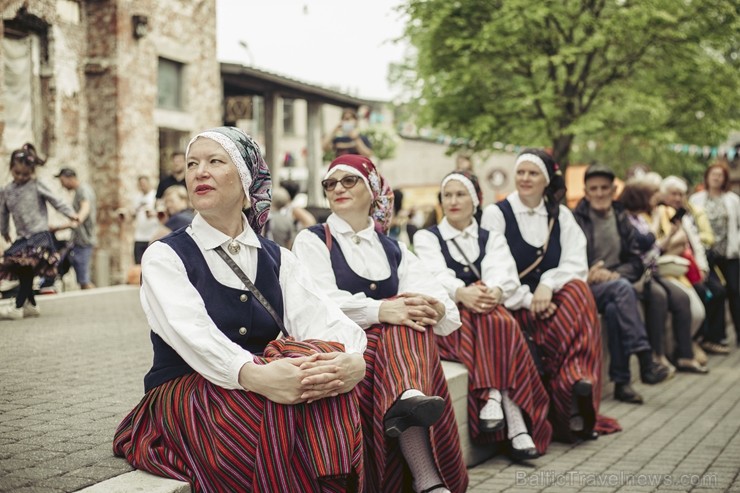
(347, 182)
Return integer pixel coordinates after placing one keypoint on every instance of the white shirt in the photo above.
(145, 225)
(534, 228)
(176, 311)
(366, 257)
(498, 267)
(732, 204)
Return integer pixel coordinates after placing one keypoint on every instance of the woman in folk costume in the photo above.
(478, 272)
(407, 414)
(230, 406)
(554, 304)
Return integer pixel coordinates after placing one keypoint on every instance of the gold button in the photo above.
(243, 298)
(466, 269)
(242, 330)
(373, 286)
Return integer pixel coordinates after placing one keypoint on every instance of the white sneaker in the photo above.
(10, 312)
(31, 310)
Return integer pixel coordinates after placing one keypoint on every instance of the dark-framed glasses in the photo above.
(347, 182)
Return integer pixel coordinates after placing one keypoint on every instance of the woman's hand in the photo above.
(279, 380)
(417, 311)
(542, 301)
(332, 374)
(479, 298)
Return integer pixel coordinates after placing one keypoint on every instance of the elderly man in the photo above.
(709, 288)
(614, 264)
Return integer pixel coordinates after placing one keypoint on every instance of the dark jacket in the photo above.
(630, 266)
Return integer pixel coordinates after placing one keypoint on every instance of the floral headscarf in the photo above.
(253, 171)
(381, 209)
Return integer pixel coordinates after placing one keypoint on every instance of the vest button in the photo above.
(243, 298)
(243, 331)
(539, 251)
(466, 269)
(373, 286)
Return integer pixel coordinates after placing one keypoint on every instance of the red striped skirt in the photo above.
(232, 440)
(397, 359)
(570, 347)
(493, 349)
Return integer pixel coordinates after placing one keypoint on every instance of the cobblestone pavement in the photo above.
(68, 377)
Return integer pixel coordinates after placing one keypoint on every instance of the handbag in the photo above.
(672, 266)
(253, 289)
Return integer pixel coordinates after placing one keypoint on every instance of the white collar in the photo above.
(449, 232)
(342, 227)
(212, 238)
(519, 208)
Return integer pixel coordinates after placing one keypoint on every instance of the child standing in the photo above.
(33, 251)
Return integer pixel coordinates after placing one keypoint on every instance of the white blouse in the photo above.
(498, 267)
(366, 257)
(533, 226)
(176, 311)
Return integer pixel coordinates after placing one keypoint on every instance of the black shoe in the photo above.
(625, 393)
(583, 422)
(491, 425)
(523, 453)
(420, 410)
(654, 373)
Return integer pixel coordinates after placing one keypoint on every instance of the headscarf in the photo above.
(555, 189)
(381, 209)
(253, 171)
(470, 181)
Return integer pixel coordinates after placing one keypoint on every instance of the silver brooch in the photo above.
(234, 247)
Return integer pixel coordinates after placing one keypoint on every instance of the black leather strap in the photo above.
(470, 264)
(253, 289)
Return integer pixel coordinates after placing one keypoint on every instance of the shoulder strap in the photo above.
(544, 251)
(253, 289)
(327, 236)
(467, 261)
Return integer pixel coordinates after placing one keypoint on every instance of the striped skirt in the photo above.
(493, 349)
(570, 347)
(231, 440)
(397, 359)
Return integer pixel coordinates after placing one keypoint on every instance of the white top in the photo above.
(533, 226)
(176, 311)
(366, 257)
(732, 204)
(497, 267)
(145, 225)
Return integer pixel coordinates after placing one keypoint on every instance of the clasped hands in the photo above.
(479, 298)
(598, 274)
(414, 310)
(305, 378)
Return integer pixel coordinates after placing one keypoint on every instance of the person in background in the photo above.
(346, 137)
(407, 416)
(614, 264)
(478, 272)
(143, 211)
(280, 227)
(33, 252)
(85, 230)
(553, 303)
(230, 405)
(179, 213)
(674, 192)
(723, 210)
(176, 177)
(401, 227)
(463, 162)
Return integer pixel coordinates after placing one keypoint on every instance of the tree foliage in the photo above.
(559, 73)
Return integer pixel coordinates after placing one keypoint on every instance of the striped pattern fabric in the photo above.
(570, 347)
(399, 358)
(229, 440)
(496, 355)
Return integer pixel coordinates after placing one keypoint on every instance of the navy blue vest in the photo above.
(462, 271)
(346, 278)
(230, 309)
(524, 253)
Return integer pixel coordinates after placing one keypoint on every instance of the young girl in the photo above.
(33, 251)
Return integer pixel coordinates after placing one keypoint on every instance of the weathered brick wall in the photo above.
(99, 95)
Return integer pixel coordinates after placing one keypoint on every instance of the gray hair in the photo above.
(671, 182)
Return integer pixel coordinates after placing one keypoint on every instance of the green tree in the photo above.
(556, 73)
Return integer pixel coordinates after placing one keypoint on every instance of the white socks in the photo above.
(492, 409)
(411, 393)
(417, 451)
(518, 433)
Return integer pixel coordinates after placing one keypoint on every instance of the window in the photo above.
(169, 85)
(288, 116)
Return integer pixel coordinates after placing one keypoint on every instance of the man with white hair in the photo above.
(674, 192)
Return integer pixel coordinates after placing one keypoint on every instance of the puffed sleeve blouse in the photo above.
(498, 268)
(533, 225)
(176, 311)
(366, 257)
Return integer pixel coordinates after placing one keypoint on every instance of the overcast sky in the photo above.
(344, 44)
